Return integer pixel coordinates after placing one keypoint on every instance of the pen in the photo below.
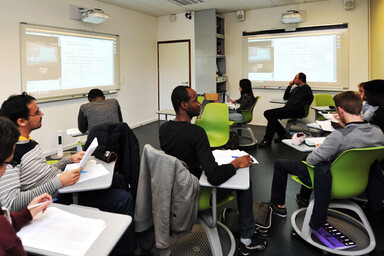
(83, 171)
(36, 205)
(234, 156)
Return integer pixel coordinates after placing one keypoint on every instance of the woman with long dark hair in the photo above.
(246, 100)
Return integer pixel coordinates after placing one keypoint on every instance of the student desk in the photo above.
(166, 112)
(116, 224)
(278, 101)
(94, 184)
(302, 147)
(322, 109)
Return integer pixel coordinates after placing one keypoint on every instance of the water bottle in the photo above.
(79, 146)
(226, 96)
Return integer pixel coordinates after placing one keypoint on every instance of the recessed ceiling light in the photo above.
(186, 2)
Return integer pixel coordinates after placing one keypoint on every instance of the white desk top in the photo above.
(278, 101)
(240, 181)
(116, 224)
(75, 132)
(166, 112)
(302, 147)
(323, 108)
(94, 184)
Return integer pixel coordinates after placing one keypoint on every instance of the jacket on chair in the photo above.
(167, 196)
(119, 138)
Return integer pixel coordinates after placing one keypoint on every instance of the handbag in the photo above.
(262, 214)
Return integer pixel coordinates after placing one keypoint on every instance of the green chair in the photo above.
(322, 100)
(350, 172)
(249, 139)
(215, 122)
(296, 121)
(200, 99)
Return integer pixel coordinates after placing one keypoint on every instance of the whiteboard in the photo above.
(60, 63)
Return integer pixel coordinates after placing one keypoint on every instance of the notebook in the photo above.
(331, 237)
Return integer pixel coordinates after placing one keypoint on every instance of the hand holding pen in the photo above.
(39, 203)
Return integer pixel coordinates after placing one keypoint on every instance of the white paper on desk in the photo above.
(92, 170)
(61, 232)
(89, 152)
(325, 125)
(227, 156)
(315, 140)
(330, 117)
(231, 105)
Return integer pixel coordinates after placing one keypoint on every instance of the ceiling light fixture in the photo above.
(186, 2)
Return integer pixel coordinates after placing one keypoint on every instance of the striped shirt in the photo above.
(29, 177)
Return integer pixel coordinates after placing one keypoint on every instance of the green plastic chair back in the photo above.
(248, 114)
(205, 199)
(200, 99)
(215, 122)
(322, 100)
(350, 171)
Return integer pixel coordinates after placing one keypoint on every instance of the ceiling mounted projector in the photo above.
(291, 16)
(95, 16)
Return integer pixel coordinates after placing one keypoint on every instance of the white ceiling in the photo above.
(164, 7)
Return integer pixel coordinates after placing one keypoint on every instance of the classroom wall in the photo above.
(138, 38)
(317, 13)
(377, 38)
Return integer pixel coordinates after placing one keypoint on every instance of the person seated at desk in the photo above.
(367, 110)
(246, 100)
(98, 111)
(374, 91)
(297, 98)
(189, 143)
(356, 134)
(30, 174)
(10, 223)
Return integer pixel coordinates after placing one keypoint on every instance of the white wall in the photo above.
(318, 13)
(180, 29)
(138, 38)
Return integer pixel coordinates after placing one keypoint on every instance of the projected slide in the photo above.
(57, 63)
(272, 60)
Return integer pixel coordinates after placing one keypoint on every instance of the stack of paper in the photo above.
(227, 156)
(61, 232)
(92, 170)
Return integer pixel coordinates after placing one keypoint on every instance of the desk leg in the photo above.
(75, 198)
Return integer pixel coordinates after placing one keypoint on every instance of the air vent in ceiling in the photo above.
(186, 2)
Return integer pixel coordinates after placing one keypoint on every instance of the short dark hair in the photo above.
(349, 101)
(303, 77)
(179, 94)
(16, 106)
(9, 134)
(95, 93)
(374, 92)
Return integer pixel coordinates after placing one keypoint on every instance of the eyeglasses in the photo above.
(38, 113)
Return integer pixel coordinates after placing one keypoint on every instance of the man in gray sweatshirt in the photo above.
(355, 134)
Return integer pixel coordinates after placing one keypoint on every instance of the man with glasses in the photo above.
(30, 175)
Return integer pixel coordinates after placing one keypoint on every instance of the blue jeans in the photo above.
(115, 199)
(234, 116)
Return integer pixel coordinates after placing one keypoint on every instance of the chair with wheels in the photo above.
(322, 100)
(296, 121)
(246, 140)
(350, 172)
(215, 122)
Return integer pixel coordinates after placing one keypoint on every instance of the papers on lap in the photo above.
(61, 232)
(92, 170)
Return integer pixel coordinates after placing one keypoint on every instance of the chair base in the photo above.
(246, 136)
(198, 243)
(360, 232)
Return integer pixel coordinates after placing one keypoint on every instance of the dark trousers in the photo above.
(375, 187)
(273, 116)
(115, 199)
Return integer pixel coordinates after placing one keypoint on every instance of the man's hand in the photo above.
(336, 116)
(70, 177)
(241, 162)
(77, 157)
(291, 83)
(40, 199)
(230, 100)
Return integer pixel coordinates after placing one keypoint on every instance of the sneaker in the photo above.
(282, 212)
(301, 202)
(280, 138)
(257, 245)
(264, 143)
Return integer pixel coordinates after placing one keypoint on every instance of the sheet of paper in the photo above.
(227, 156)
(232, 105)
(325, 125)
(315, 140)
(330, 117)
(92, 170)
(74, 132)
(89, 152)
(61, 232)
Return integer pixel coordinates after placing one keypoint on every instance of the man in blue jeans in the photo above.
(189, 143)
(355, 134)
(30, 175)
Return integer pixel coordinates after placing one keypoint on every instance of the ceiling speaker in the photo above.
(349, 4)
(240, 15)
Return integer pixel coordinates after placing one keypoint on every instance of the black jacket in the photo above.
(119, 138)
